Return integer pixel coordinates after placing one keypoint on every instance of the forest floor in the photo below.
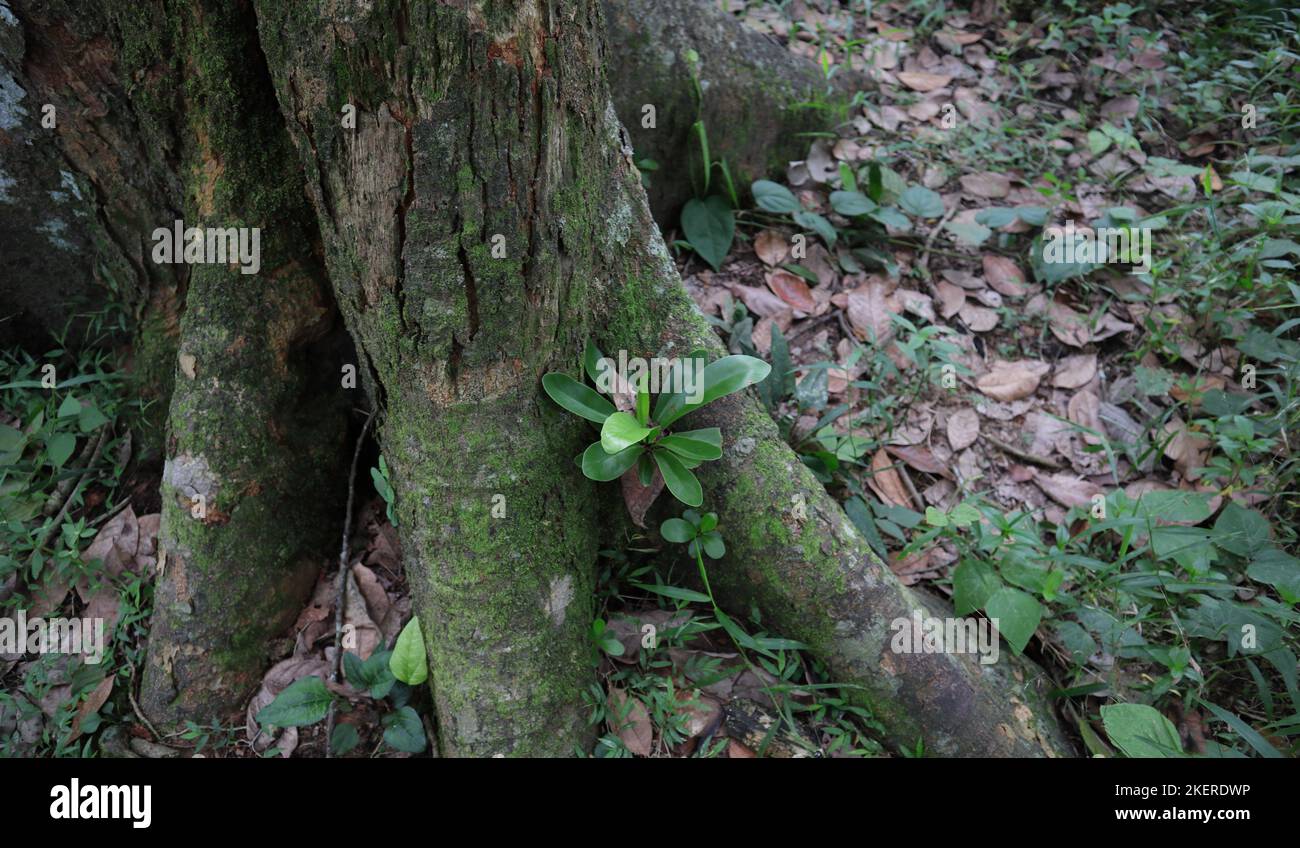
(1095, 455)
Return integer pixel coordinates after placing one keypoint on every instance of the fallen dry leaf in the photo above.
(792, 289)
(1084, 409)
(921, 81)
(634, 728)
(986, 184)
(760, 301)
(1004, 276)
(771, 247)
(639, 498)
(1076, 371)
(886, 482)
(869, 314)
(963, 428)
(921, 459)
(1010, 381)
(1067, 489)
(979, 318)
(951, 298)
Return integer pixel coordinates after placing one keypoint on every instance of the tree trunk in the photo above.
(467, 231)
(251, 488)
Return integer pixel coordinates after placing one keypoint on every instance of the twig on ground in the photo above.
(341, 595)
(1046, 462)
(139, 713)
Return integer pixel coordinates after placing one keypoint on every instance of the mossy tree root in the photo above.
(258, 415)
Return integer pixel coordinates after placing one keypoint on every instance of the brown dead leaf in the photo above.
(1076, 371)
(792, 289)
(772, 247)
(920, 458)
(1004, 276)
(921, 81)
(986, 184)
(632, 722)
(886, 482)
(869, 314)
(1067, 489)
(91, 705)
(760, 301)
(963, 428)
(1014, 380)
(979, 318)
(639, 498)
(951, 298)
(1084, 409)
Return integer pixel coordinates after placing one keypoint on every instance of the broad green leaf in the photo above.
(305, 701)
(891, 217)
(344, 739)
(620, 431)
(408, 662)
(405, 731)
(1175, 505)
(69, 407)
(721, 378)
(708, 521)
(973, 583)
(678, 479)
(372, 674)
(817, 224)
(59, 447)
(1278, 569)
(1141, 731)
(774, 197)
(601, 466)
(676, 530)
(1016, 614)
(1240, 530)
(936, 517)
(710, 226)
(851, 203)
(713, 545)
(91, 418)
(921, 202)
(577, 398)
(695, 444)
(974, 234)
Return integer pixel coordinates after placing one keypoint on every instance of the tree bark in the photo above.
(250, 489)
(465, 231)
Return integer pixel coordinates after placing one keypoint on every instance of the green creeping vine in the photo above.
(643, 439)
